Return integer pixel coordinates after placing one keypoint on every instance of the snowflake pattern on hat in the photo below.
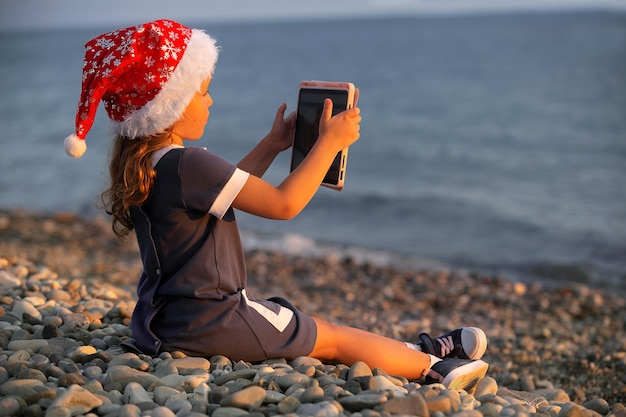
(145, 75)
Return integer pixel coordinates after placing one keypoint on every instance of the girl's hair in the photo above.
(132, 177)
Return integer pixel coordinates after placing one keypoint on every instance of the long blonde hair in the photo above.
(132, 177)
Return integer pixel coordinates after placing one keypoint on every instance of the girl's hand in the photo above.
(280, 137)
(342, 130)
(286, 200)
(281, 134)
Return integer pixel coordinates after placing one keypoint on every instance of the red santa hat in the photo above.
(145, 75)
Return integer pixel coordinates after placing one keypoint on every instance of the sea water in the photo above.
(492, 143)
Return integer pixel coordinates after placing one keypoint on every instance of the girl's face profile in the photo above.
(191, 124)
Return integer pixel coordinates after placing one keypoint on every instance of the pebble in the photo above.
(323, 409)
(415, 405)
(487, 385)
(76, 400)
(122, 375)
(20, 387)
(359, 369)
(25, 307)
(60, 335)
(599, 405)
(288, 405)
(162, 412)
(11, 406)
(134, 393)
(362, 401)
(247, 398)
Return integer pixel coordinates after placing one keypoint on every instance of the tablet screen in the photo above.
(310, 105)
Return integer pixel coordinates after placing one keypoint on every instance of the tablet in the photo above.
(311, 97)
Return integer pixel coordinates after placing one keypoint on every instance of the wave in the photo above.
(546, 273)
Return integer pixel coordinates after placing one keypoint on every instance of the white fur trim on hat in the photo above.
(196, 65)
(75, 146)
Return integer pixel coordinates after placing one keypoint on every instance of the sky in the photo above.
(46, 14)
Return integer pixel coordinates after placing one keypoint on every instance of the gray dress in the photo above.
(192, 292)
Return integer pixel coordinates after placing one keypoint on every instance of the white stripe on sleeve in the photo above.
(228, 193)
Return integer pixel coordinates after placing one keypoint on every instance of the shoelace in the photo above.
(447, 346)
(442, 347)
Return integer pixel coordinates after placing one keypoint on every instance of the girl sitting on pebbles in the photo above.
(153, 80)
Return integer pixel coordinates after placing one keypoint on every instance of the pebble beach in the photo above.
(67, 291)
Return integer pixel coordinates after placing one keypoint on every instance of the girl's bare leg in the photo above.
(348, 345)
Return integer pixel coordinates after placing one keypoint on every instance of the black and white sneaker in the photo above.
(457, 373)
(464, 343)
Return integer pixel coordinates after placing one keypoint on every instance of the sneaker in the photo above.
(464, 343)
(456, 373)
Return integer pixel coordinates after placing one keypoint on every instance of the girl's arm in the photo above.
(280, 138)
(286, 200)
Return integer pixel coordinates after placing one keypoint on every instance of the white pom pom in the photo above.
(74, 146)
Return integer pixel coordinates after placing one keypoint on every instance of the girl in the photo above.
(153, 80)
